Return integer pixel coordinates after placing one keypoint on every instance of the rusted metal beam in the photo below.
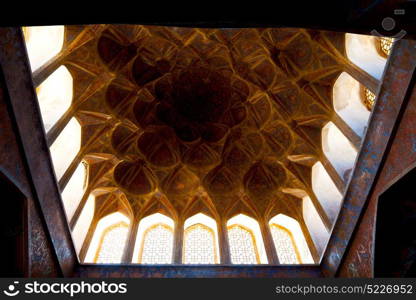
(26, 111)
(394, 90)
(401, 159)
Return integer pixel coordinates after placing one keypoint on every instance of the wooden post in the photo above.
(225, 255)
(130, 242)
(178, 242)
(271, 252)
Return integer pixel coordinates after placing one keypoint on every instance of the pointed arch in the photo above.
(326, 191)
(348, 102)
(245, 241)
(200, 240)
(62, 152)
(363, 51)
(158, 203)
(83, 223)
(154, 240)
(109, 239)
(290, 243)
(201, 203)
(111, 200)
(74, 190)
(43, 43)
(338, 149)
(315, 225)
(55, 96)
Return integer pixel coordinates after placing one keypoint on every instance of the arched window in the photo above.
(109, 250)
(63, 152)
(347, 100)
(338, 149)
(326, 191)
(83, 223)
(74, 190)
(316, 227)
(362, 50)
(55, 96)
(285, 246)
(289, 241)
(242, 245)
(200, 240)
(245, 240)
(43, 43)
(154, 242)
(108, 242)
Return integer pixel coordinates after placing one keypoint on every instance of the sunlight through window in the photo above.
(74, 190)
(111, 246)
(64, 152)
(284, 244)
(43, 43)
(347, 100)
(55, 96)
(199, 246)
(338, 149)
(242, 245)
(157, 245)
(289, 241)
(109, 239)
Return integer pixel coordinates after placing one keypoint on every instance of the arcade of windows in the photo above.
(154, 242)
(200, 241)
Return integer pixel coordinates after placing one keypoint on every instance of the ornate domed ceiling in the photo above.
(215, 120)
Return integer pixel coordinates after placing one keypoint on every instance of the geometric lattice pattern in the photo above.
(285, 246)
(157, 247)
(386, 44)
(369, 99)
(111, 246)
(243, 248)
(199, 245)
